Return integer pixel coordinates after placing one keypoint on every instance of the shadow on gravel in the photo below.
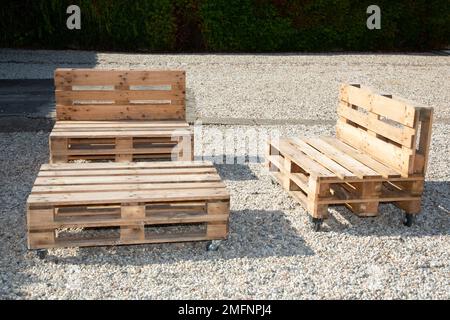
(434, 219)
(235, 172)
(253, 234)
(27, 102)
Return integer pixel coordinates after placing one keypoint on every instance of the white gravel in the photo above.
(271, 252)
(284, 86)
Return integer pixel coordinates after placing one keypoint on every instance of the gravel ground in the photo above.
(264, 87)
(271, 251)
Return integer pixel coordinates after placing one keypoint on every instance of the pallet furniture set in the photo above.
(124, 117)
(379, 154)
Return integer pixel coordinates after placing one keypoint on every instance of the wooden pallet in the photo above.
(379, 155)
(99, 94)
(120, 115)
(121, 141)
(97, 204)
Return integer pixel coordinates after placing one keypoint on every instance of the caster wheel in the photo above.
(409, 220)
(317, 224)
(274, 183)
(41, 253)
(212, 246)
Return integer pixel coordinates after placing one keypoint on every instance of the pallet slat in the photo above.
(119, 112)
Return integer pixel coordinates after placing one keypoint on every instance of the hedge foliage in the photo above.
(226, 25)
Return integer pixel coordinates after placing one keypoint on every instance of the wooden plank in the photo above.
(73, 77)
(119, 124)
(101, 221)
(120, 166)
(387, 107)
(357, 168)
(319, 157)
(135, 196)
(425, 137)
(384, 197)
(119, 133)
(118, 129)
(118, 95)
(111, 241)
(39, 189)
(384, 171)
(116, 151)
(127, 172)
(127, 179)
(120, 112)
(403, 135)
(398, 158)
(168, 130)
(302, 160)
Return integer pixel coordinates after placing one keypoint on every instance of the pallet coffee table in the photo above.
(97, 204)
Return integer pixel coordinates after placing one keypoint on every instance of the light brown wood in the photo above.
(93, 104)
(390, 108)
(123, 101)
(376, 156)
(132, 197)
(120, 112)
(101, 142)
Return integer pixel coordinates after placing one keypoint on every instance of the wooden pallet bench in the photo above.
(120, 115)
(97, 204)
(379, 154)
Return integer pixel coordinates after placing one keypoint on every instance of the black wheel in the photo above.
(273, 182)
(409, 220)
(41, 253)
(317, 224)
(212, 246)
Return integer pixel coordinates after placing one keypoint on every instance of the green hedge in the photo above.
(226, 25)
(105, 24)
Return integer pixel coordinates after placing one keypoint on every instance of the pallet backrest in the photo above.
(94, 94)
(392, 130)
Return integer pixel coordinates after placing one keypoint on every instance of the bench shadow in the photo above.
(235, 172)
(434, 219)
(253, 234)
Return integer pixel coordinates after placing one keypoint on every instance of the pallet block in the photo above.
(380, 154)
(97, 204)
(120, 115)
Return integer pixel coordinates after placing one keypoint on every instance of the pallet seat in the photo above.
(120, 116)
(379, 154)
(98, 204)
